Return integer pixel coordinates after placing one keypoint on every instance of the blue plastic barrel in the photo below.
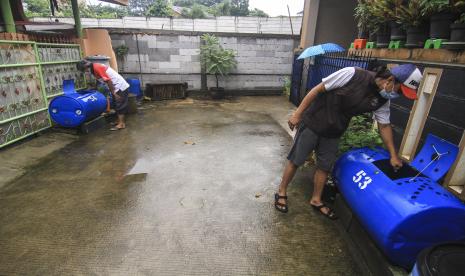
(402, 213)
(71, 110)
(134, 87)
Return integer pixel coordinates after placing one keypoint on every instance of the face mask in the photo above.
(388, 95)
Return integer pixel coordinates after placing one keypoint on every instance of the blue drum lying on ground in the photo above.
(403, 211)
(73, 109)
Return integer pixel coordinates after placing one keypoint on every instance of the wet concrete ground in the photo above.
(187, 189)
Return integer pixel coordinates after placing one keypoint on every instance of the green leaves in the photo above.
(159, 8)
(215, 58)
(360, 134)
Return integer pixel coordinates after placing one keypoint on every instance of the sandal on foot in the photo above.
(116, 128)
(282, 207)
(330, 214)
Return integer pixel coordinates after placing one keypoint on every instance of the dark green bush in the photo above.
(360, 134)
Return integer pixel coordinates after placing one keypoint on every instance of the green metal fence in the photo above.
(31, 74)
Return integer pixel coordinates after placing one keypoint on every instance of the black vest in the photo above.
(330, 113)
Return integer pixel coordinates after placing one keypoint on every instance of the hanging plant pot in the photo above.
(440, 25)
(457, 32)
(416, 37)
(217, 93)
(397, 33)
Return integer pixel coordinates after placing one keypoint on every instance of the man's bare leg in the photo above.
(288, 175)
(319, 180)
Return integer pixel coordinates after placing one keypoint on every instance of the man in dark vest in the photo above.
(325, 113)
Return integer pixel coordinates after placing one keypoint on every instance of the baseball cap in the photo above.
(410, 77)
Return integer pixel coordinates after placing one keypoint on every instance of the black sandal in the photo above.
(282, 207)
(330, 214)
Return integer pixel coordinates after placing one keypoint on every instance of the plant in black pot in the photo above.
(442, 14)
(383, 12)
(458, 27)
(217, 61)
(411, 17)
(387, 10)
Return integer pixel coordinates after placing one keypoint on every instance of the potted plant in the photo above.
(363, 16)
(441, 14)
(382, 13)
(412, 19)
(217, 61)
(458, 27)
(389, 9)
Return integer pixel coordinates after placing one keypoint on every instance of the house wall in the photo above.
(446, 118)
(336, 23)
(263, 62)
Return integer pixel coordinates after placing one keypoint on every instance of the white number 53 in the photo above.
(361, 179)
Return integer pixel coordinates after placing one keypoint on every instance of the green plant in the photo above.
(197, 11)
(121, 51)
(373, 15)
(258, 13)
(363, 16)
(431, 7)
(360, 134)
(216, 59)
(287, 86)
(411, 14)
(159, 8)
(459, 7)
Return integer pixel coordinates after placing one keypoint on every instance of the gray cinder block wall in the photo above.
(263, 61)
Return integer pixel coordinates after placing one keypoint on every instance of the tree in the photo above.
(139, 7)
(240, 7)
(258, 13)
(208, 3)
(37, 8)
(197, 11)
(159, 8)
(216, 59)
(184, 3)
(221, 9)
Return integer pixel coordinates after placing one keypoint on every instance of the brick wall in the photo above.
(262, 62)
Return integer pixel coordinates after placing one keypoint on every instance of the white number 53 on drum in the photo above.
(361, 179)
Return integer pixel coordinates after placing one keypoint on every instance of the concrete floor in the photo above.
(187, 189)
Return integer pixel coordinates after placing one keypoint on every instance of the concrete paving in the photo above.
(187, 189)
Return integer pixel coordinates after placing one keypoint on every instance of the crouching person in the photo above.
(325, 113)
(116, 84)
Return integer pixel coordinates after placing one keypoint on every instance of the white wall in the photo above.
(227, 24)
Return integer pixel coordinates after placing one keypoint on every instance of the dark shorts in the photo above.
(121, 105)
(305, 141)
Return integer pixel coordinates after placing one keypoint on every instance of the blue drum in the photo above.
(403, 211)
(73, 109)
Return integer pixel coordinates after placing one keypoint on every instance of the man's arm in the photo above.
(297, 116)
(385, 130)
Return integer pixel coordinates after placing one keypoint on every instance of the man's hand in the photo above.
(294, 120)
(396, 163)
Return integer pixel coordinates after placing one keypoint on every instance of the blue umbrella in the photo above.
(320, 50)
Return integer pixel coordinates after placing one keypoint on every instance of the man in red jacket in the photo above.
(116, 84)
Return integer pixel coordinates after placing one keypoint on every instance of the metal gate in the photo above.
(323, 66)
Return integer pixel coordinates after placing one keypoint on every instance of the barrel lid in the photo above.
(66, 111)
(443, 259)
(435, 158)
